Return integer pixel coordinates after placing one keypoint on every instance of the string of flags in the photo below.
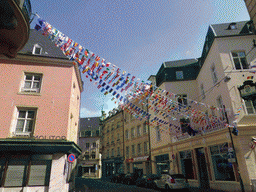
(126, 88)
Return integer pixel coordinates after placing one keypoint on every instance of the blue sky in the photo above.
(136, 35)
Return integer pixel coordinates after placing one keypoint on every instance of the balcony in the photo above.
(14, 26)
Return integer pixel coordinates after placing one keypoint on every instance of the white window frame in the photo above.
(26, 119)
(251, 107)
(202, 91)
(214, 74)
(139, 148)
(145, 147)
(127, 134)
(127, 151)
(239, 58)
(158, 134)
(221, 106)
(31, 89)
(133, 132)
(138, 131)
(133, 150)
(145, 130)
(36, 46)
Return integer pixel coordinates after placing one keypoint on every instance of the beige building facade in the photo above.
(113, 143)
(200, 146)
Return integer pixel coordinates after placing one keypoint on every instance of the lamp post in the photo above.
(232, 144)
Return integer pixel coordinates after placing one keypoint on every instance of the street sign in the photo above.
(71, 158)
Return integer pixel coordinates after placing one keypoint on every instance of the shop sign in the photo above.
(145, 158)
(129, 160)
(49, 137)
(247, 90)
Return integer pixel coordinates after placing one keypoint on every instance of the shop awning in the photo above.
(34, 146)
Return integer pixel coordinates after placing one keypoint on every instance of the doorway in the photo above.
(202, 168)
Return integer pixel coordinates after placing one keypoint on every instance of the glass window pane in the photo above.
(29, 126)
(22, 114)
(29, 77)
(244, 63)
(241, 54)
(37, 78)
(20, 125)
(27, 84)
(37, 175)
(14, 175)
(234, 55)
(36, 85)
(31, 114)
(237, 63)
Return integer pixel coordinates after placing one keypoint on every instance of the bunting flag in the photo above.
(121, 85)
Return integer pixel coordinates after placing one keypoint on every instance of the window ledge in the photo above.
(29, 93)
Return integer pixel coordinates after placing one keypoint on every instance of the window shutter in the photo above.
(37, 175)
(14, 176)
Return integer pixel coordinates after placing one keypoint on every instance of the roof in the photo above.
(224, 29)
(89, 123)
(179, 63)
(48, 48)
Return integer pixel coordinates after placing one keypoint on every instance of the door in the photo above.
(202, 168)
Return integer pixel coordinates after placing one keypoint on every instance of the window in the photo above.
(139, 148)
(112, 139)
(214, 74)
(112, 128)
(87, 145)
(112, 153)
(179, 75)
(108, 141)
(94, 145)
(144, 128)
(81, 133)
(88, 133)
(97, 133)
(25, 121)
(187, 164)
(127, 152)
(31, 83)
(118, 151)
(133, 132)
(146, 147)
(37, 49)
(250, 106)
(202, 91)
(138, 130)
(221, 107)
(232, 26)
(16, 173)
(107, 129)
(182, 99)
(107, 153)
(158, 134)
(93, 156)
(223, 169)
(118, 136)
(126, 134)
(239, 60)
(133, 150)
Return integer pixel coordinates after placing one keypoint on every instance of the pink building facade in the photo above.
(40, 102)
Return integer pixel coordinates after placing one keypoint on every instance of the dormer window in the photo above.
(37, 49)
(232, 26)
(179, 75)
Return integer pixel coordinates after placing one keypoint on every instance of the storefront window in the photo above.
(187, 164)
(162, 164)
(223, 169)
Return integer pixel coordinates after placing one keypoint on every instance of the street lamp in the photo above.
(235, 132)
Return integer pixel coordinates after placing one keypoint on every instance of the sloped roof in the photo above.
(89, 123)
(224, 29)
(48, 47)
(179, 63)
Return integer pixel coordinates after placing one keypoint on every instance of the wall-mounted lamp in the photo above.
(227, 78)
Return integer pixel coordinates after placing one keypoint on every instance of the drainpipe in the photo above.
(232, 144)
(123, 139)
(149, 143)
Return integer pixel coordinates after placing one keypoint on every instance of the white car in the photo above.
(172, 181)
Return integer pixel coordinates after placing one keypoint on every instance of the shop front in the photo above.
(141, 164)
(112, 166)
(162, 164)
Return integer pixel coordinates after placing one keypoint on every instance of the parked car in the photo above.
(117, 178)
(147, 181)
(172, 181)
(131, 178)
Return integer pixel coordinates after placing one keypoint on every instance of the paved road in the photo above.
(97, 185)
